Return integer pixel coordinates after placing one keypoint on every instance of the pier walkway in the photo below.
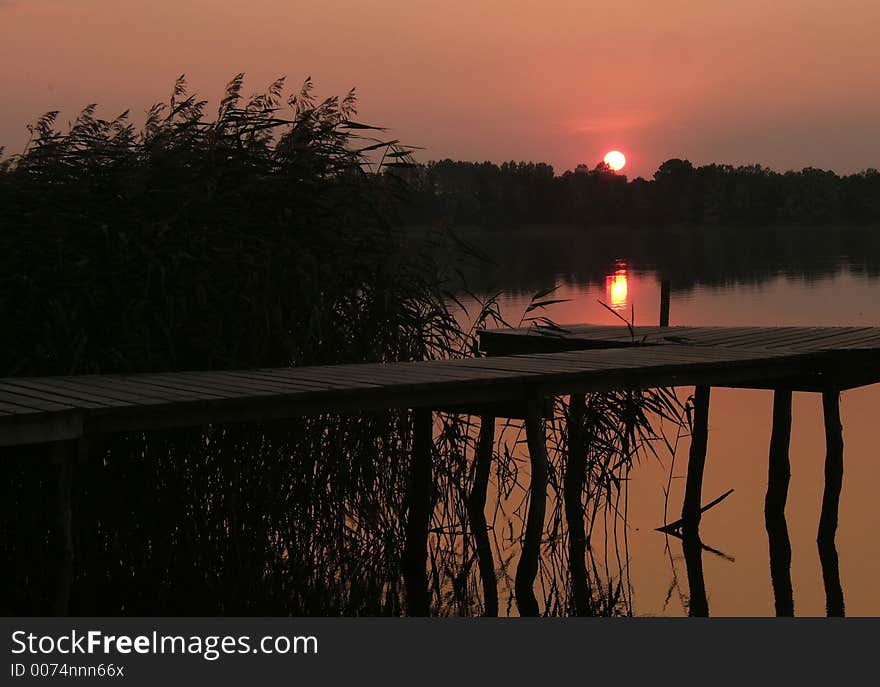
(522, 368)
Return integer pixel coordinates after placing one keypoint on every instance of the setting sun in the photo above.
(615, 160)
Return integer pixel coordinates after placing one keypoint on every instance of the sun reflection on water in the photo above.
(616, 287)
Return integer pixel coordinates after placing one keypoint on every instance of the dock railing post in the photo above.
(477, 514)
(665, 290)
(691, 508)
(527, 569)
(419, 510)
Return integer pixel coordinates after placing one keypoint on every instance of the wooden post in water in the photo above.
(779, 471)
(778, 477)
(63, 456)
(665, 291)
(477, 514)
(573, 486)
(527, 569)
(419, 509)
(690, 511)
(833, 466)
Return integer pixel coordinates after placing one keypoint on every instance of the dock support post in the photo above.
(477, 514)
(690, 512)
(778, 478)
(419, 509)
(527, 569)
(779, 471)
(833, 466)
(63, 456)
(573, 486)
(664, 302)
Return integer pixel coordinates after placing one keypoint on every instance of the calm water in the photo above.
(836, 290)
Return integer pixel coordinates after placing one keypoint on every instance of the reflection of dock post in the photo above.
(64, 455)
(573, 485)
(780, 565)
(698, 606)
(527, 569)
(665, 291)
(834, 605)
(778, 478)
(830, 503)
(691, 509)
(419, 509)
(477, 513)
(833, 466)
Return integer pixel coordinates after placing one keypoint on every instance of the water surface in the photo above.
(798, 286)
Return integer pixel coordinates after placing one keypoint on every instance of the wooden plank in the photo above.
(39, 404)
(730, 336)
(814, 338)
(249, 384)
(378, 377)
(758, 338)
(83, 386)
(325, 384)
(305, 384)
(55, 385)
(209, 384)
(864, 340)
(11, 409)
(176, 382)
(137, 385)
(48, 396)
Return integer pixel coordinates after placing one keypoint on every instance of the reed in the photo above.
(266, 235)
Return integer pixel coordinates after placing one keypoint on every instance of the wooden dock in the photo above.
(521, 370)
(588, 359)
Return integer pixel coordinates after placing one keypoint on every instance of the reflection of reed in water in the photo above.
(572, 559)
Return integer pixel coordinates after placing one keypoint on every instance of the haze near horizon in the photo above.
(785, 85)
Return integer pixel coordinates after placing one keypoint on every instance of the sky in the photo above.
(785, 84)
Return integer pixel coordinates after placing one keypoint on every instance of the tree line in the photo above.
(679, 193)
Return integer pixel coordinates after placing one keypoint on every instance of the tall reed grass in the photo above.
(264, 236)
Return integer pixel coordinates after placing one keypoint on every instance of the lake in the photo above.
(758, 277)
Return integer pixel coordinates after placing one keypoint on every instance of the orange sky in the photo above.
(786, 83)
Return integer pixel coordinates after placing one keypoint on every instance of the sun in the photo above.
(615, 159)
